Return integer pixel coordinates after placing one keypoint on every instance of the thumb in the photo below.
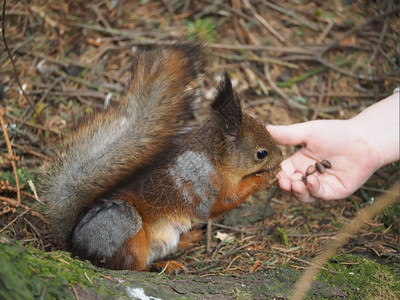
(290, 135)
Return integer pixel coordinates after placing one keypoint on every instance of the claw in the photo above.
(168, 267)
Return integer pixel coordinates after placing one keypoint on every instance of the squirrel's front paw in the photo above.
(168, 267)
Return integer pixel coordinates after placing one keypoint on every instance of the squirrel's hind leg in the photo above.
(104, 233)
(168, 267)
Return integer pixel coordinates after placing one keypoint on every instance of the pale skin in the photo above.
(356, 148)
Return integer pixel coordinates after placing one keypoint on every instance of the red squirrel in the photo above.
(129, 180)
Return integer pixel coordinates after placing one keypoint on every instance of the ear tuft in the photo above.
(227, 111)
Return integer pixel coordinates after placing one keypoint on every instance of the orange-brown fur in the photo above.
(138, 247)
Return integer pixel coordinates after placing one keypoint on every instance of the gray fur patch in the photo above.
(180, 185)
(193, 170)
(102, 230)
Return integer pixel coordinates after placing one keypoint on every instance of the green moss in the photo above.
(28, 273)
(203, 29)
(242, 295)
(390, 216)
(363, 278)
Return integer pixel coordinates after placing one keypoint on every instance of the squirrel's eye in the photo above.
(261, 154)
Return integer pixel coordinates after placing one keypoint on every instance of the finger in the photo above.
(300, 191)
(285, 184)
(290, 135)
(314, 187)
(321, 189)
(288, 168)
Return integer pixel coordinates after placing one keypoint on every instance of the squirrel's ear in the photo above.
(226, 108)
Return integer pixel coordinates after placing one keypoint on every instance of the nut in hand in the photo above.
(320, 167)
(311, 170)
(326, 163)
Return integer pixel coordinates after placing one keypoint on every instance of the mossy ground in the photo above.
(363, 278)
(28, 273)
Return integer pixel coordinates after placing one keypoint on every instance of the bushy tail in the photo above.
(112, 145)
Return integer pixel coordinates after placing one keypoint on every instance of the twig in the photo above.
(206, 262)
(336, 43)
(252, 39)
(100, 87)
(217, 248)
(239, 248)
(347, 95)
(381, 38)
(388, 58)
(139, 40)
(240, 14)
(304, 283)
(269, 27)
(16, 47)
(10, 201)
(237, 6)
(294, 258)
(329, 82)
(231, 228)
(329, 65)
(64, 63)
(170, 9)
(255, 266)
(14, 203)
(208, 236)
(73, 93)
(253, 57)
(37, 126)
(292, 14)
(231, 262)
(19, 216)
(95, 8)
(47, 19)
(74, 291)
(3, 31)
(55, 82)
(6, 210)
(326, 63)
(30, 151)
(13, 189)
(320, 98)
(293, 50)
(113, 31)
(289, 101)
(12, 159)
(325, 32)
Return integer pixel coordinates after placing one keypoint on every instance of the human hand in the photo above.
(341, 142)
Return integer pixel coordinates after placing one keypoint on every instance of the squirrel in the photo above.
(130, 179)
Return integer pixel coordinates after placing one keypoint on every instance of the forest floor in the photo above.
(290, 62)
